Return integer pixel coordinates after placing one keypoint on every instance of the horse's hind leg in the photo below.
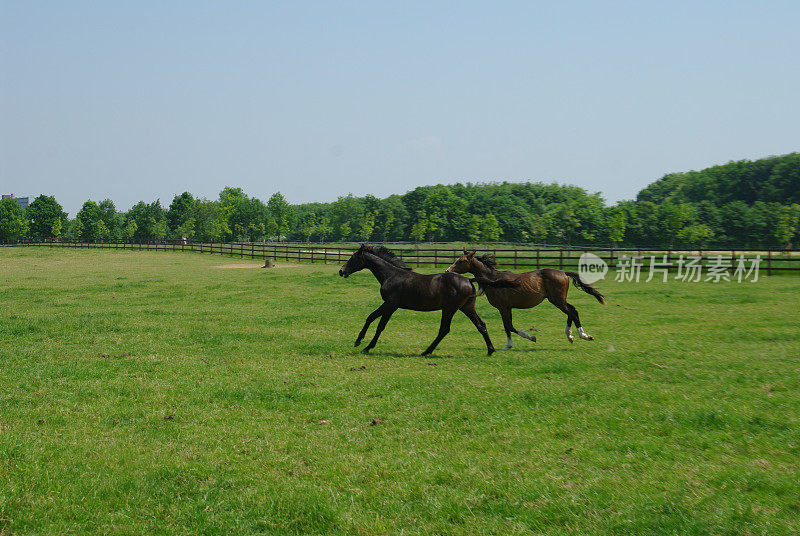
(563, 306)
(370, 319)
(519, 332)
(444, 329)
(505, 314)
(581, 333)
(572, 316)
(388, 310)
(469, 310)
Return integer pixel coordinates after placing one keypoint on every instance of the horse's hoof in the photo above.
(490, 352)
(571, 339)
(533, 338)
(505, 348)
(588, 338)
(357, 343)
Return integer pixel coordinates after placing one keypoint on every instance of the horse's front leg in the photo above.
(444, 329)
(386, 312)
(469, 310)
(370, 319)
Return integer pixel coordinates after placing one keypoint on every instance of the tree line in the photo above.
(739, 204)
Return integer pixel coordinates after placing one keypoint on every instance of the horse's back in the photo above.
(424, 292)
(528, 293)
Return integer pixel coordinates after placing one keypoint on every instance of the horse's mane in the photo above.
(488, 260)
(387, 255)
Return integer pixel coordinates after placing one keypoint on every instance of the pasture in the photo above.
(155, 393)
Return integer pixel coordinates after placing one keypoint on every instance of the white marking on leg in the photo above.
(585, 336)
(510, 343)
(526, 335)
(568, 331)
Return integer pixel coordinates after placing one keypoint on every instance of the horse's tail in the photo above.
(586, 287)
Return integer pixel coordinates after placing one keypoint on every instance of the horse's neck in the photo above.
(478, 268)
(380, 268)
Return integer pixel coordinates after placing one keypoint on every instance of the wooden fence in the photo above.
(564, 258)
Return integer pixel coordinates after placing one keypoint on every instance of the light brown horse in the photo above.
(530, 289)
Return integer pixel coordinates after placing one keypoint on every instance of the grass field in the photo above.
(153, 393)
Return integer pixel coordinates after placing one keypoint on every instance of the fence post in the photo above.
(515, 258)
(561, 259)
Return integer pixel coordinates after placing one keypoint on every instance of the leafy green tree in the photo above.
(474, 228)
(490, 228)
(308, 226)
(420, 228)
(186, 229)
(129, 230)
(89, 223)
(696, 234)
(563, 222)
(773, 179)
(345, 230)
(282, 213)
(57, 228)
(150, 220)
(735, 218)
(323, 228)
(786, 227)
(111, 218)
(445, 212)
(391, 220)
(346, 215)
(210, 223)
(43, 213)
(589, 211)
(616, 224)
(179, 212)
(367, 226)
(673, 217)
(235, 208)
(13, 220)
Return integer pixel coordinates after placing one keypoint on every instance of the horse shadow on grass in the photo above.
(499, 353)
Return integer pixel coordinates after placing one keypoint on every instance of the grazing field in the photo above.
(158, 393)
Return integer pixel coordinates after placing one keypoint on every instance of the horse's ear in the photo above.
(472, 254)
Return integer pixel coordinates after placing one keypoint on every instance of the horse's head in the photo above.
(462, 264)
(354, 263)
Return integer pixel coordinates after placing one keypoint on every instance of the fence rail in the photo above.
(772, 260)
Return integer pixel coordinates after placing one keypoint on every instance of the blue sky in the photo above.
(143, 100)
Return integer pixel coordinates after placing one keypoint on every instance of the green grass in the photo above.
(150, 393)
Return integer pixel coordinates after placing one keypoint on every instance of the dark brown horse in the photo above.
(403, 289)
(529, 290)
